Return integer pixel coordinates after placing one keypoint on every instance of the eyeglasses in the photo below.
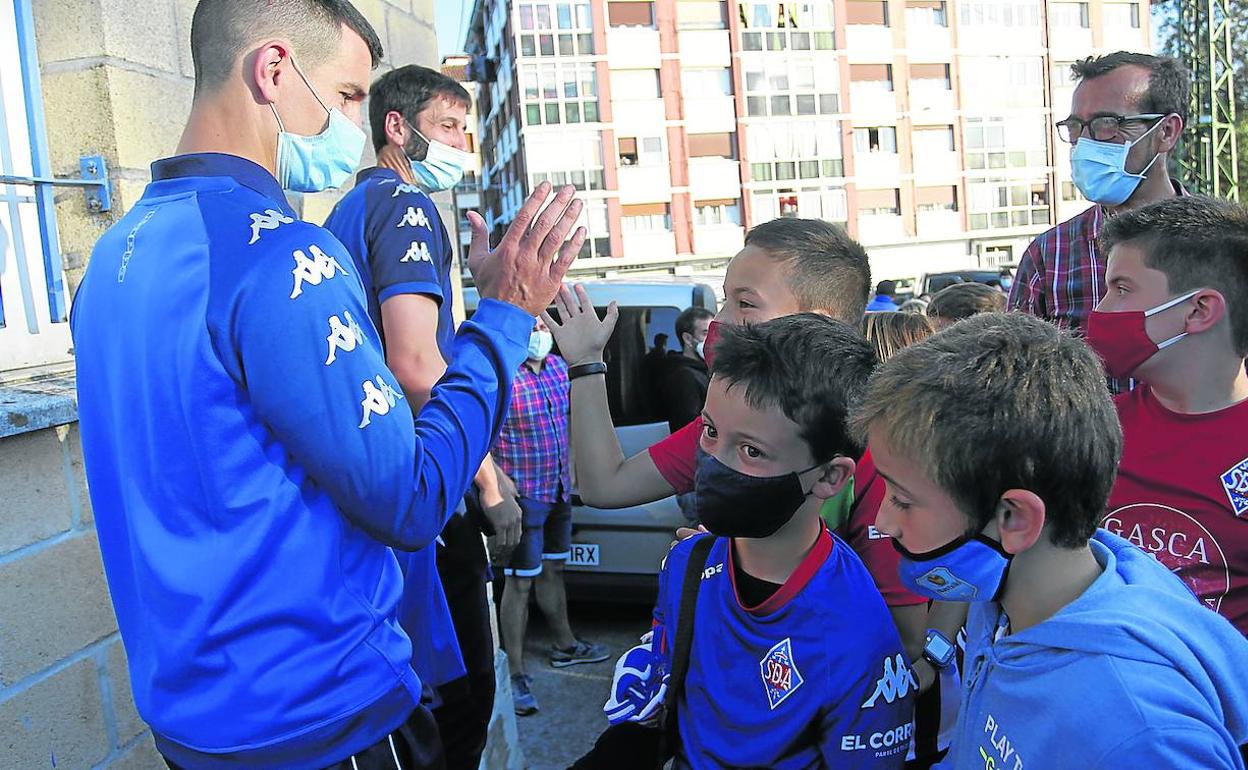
(1104, 128)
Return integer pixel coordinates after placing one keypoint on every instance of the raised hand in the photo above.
(580, 334)
(528, 266)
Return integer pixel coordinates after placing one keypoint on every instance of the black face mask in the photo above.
(732, 504)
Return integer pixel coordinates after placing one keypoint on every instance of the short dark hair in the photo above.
(1197, 242)
(660, 340)
(829, 271)
(893, 330)
(886, 288)
(406, 90)
(221, 30)
(686, 320)
(1169, 82)
(815, 369)
(963, 300)
(997, 402)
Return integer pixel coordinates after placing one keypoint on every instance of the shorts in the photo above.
(547, 536)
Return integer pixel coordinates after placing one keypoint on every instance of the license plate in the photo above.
(583, 555)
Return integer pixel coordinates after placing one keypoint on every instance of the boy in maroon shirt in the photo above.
(1175, 318)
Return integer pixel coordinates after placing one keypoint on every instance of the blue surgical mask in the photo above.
(441, 168)
(731, 504)
(540, 344)
(972, 568)
(1099, 169)
(310, 164)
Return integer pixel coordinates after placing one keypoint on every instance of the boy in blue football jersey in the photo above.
(795, 662)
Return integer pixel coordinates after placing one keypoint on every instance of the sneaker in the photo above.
(523, 698)
(581, 652)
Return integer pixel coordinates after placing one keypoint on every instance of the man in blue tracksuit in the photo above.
(404, 257)
(250, 457)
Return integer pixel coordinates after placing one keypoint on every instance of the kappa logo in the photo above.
(415, 217)
(271, 219)
(404, 188)
(417, 252)
(779, 672)
(314, 269)
(897, 682)
(379, 399)
(343, 336)
(1235, 482)
(711, 572)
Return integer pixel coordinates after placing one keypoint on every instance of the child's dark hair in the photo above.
(1198, 242)
(963, 300)
(813, 368)
(997, 402)
(828, 271)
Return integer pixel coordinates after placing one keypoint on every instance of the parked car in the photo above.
(616, 553)
(934, 282)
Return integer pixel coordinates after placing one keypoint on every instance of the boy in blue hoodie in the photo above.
(998, 443)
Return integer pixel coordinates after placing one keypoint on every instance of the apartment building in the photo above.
(467, 194)
(925, 127)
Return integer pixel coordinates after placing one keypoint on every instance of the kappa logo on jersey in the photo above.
(1235, 482)
(343, 336)
(711, 572)
(897, 682)
(403, 188)
(378, 400)
(417, 252)
(271, 219)
(415, 217)
(780, 674)
(314, 269)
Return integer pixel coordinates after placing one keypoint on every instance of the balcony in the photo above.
(996, 38)
(710, 114)
(877, 169)
(714, 178)
(928, 44)
(870, 100)
(935, 168)
(633, 48)
(639, 117)
(645, 184)
(940, 223)
(716, 240)
(880, 228)
(930, 99)
(704, 48)
(658, 243)
(869, 42)
(1069, 42)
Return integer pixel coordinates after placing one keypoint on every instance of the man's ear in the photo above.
(832, 478)
(1020, 520)
(268, 67)
(1168, 133)
(396, 129)
(1209, 307)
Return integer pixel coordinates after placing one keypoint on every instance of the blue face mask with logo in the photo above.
(971, 568)
(1099, 169)
(309, 164)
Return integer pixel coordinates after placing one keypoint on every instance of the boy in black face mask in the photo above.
(792, 645)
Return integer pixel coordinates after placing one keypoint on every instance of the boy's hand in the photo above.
(580, 335)
(528, 266)
(684, 533)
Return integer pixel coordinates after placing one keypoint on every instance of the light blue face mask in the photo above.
(309, 164)
(442, 167)
(1099, 169)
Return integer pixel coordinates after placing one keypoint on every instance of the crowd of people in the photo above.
(920, 537)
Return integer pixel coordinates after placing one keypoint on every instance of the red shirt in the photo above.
(1182, 496)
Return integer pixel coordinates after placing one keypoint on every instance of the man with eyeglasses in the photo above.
(1126, 117)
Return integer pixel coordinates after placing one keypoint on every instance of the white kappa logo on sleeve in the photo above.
(270, 219)
(417, 252)
(897, 682)
(403, 188)
(415, 217)
(343, 336)
(320, 266)
(378, 400)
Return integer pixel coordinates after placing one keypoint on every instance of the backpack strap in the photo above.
(683, 644)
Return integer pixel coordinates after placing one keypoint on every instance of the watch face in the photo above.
(939, 648)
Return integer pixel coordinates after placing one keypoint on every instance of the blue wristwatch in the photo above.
(938, 650)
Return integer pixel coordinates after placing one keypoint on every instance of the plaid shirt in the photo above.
(532, 447)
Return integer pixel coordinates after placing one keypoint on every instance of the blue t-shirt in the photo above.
(252, 463)
(813, 677)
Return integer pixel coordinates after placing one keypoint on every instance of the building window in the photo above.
(932, 140)
(547, 28)
(1001, 204)
(871, 77)
(566, 157)
(806, 202)
(879, 202)
(704, 83)
(927, 13)
(787, 26)
(723, 145)
(878, 139)
(1069, 15)
(556, 93)
(798, 84)
(702, 14)
(871, 12)
(792, 150)
(996, 13)
(1002, 143)
(630, 14)
(936, 198)
(634, 84)
(1122, 15)
(717, 213)
(1070, 193)
(931, 77)
(646, 218)
(644, 151)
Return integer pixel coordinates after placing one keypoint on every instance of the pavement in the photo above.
(570, 699)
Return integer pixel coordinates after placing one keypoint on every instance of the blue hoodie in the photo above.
(1134, 673)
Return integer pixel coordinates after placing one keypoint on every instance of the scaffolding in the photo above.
(1208, 156)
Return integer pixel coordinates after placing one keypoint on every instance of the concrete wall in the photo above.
(117, 80)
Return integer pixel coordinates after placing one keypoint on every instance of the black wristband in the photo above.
(584, 370)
